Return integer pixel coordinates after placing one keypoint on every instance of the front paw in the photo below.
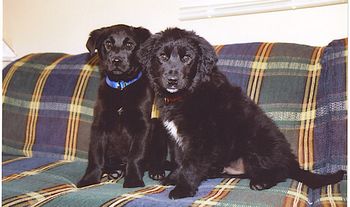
(85, 182)
(254, 185)
(133, 183)
(169, 180)
(115, 175)
(181, 192)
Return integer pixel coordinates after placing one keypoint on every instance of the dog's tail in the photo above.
(314, 180)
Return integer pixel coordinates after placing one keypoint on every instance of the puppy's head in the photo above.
(177, 60)
(116, 46)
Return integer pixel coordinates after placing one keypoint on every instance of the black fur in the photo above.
(216, 123)
(122, 138)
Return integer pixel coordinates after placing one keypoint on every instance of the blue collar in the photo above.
(122, 84)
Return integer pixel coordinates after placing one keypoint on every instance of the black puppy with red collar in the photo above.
(215, 126)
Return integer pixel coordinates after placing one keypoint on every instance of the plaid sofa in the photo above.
(48, 104)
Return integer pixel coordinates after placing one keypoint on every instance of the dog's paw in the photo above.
(171, 179)
(181, 192)
(156, 175)
(133, 183)
(259, 185)
(168, 181)
(115, 175)
(85, 182)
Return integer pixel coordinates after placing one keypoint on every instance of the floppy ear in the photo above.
(147, 50)
(207, 57)
(142, 34)
(92, 43)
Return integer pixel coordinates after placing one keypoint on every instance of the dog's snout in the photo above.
(116, 60)
(172, 80)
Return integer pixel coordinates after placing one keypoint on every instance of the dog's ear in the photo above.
(208, 57)
(142, 34)
(146, 51)
(92, 43)
(206, 60)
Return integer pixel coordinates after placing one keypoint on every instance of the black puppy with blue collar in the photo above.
(123, 139)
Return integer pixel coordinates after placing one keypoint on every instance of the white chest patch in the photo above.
(172, 129)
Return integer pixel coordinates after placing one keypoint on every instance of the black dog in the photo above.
(121, 132)
(216, 127)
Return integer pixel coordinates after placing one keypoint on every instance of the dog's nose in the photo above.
(116, 60)
(172, 81)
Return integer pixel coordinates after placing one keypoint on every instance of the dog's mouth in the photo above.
(117, 72)
(122, 74)
(172, 87)
(117, 75)
(172, 90)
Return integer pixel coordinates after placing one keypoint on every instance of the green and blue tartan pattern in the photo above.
(48, 101)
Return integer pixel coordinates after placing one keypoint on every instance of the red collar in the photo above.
(173, 99)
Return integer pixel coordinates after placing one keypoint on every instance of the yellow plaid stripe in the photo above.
(33, 171)
(217, 194)
(32, 198)
(75, 109)
(297, 195)
(13, 160)
(305, 149)
(10, 73)
(34, 107)
(258, 67)
(125, 198)
(218, 48)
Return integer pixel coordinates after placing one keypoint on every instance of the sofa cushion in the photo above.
(50, 98)
(48, 104)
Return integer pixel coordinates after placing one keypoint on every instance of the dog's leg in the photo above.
(189, 178)
(94, 169)
(134, 167)
(263, 172)
(192, 170)
(133, 174)
(171, 179)
(266, 169)
(176, 160)
(134, 171)
(157, 150)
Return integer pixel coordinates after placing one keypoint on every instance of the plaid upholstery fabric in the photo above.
(48, 104)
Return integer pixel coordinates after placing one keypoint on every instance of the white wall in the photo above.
(64, 25)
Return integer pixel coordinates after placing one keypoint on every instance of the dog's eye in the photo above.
(186, 59)
(163, 57)
(108, 45)
(129, 45)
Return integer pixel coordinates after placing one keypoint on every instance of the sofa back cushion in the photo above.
(302, 88)
(48, 99)
(48, 104)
